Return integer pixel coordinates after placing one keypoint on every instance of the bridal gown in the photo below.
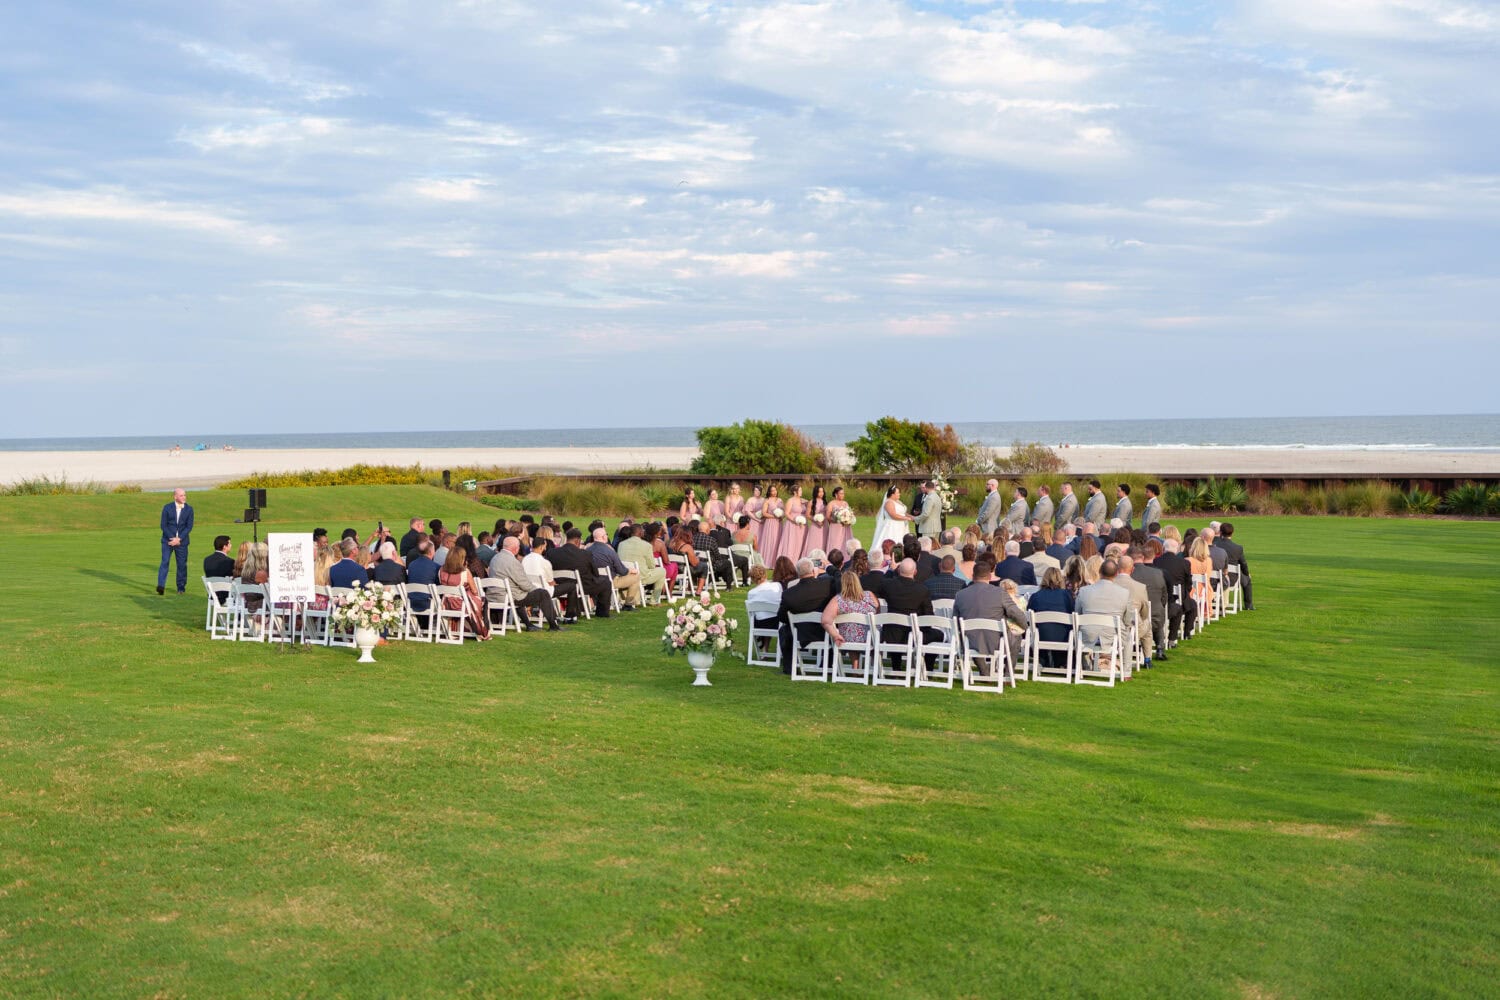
(889, 527)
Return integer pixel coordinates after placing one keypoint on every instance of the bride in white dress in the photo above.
(891, 521)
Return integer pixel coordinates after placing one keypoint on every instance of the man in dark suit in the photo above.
(904, 595)
(176, 529)
(1236, 558)
(1013, 567)
(873, 582)
(571, 556)
(219, 561)
(1154, 580)
(945, 584)
(1059, 548)
(390, 570)
(927, 563)
(346, 572)
(421, 569)
(1179, 579)
(414, 534)
(810, 593)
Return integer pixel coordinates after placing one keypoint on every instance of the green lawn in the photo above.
(1302, 803)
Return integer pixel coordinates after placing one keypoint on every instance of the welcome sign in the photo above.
(291, 570)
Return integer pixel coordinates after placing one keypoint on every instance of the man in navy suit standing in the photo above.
(176, 528)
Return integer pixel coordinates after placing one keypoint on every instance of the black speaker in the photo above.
(252, 515)
(257, 498)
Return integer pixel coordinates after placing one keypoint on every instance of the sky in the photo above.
(319, 216)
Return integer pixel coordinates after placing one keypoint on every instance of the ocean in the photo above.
(1465, 432)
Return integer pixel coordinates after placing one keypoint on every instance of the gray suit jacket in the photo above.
(1042, 512)
(1124, 509)
(506, 566)
(1094, 510)
(930, 521)
(1015, 517)
(1151, 512)
(1102, 598)
(985, 600)
(1067, 510)
(989, 513)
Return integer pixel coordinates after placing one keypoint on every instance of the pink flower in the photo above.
(718, 609)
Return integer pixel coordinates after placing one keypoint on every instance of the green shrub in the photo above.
(1028, 458)
(368, 475)
(1179, 498)
(663, 496)
(758, 447)
(1471, 500)
(126, 488)
(507, 502)
(1224, 495)
(1419, 502)
(46, 486)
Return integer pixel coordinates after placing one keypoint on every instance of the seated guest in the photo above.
(1041, 561)
(626, 581)
(389, 570)
(1143, 570)
(421, 570)
(257, 569)
(478, 570)
(1140, 600)
(1235, 557)
(1055, 598)
(347, 571)
(635, 549)
(704, 542)
(885, 560)
(507, 566)
(871, 579)
(763, 593)
(484, 551)
(979, 600)
(571, 556)
(919, 550)
(849, 600)
(445, 543)
(455, 573)
(682, 545)
(1074, 578)
(219, 562)
(904, 595)
(1182, 610)
(625, 530)
(835, 567)
(658, 536)
(1027, 545)
(539, 570)
(946, 545)
(1102, 598)
(1013, 567)
(320, 539)
(416, 530)
(809, 593)
(965, 567)
(945, 584)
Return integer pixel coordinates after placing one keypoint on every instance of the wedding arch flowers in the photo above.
(945, 491)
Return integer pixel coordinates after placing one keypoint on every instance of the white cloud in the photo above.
(307, 83)
(119, 206)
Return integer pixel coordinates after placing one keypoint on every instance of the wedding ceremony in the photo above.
(790, 498)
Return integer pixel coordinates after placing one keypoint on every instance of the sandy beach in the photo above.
(159, 470)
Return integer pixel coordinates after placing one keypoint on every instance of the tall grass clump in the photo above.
(1296, 498)
(1372, 498)
(362, 474)
(46, 486)
(588, 496)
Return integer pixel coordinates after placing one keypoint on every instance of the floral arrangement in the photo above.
(818, 519)
(756, 514)
(697, 627)
(779, 513)
(373, 606)
(945, 491)
(845, 516)
(800, 521)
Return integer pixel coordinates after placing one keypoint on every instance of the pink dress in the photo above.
(752, 507)
(792, 534)
(817, 534)
(732, 509)
(770, 533)
(837, 534)
(715, 507)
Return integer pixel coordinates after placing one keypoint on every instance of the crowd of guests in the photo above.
(999, 576)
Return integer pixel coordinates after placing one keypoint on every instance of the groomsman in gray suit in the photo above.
(1015, 518)
(989, 511)
(929, 520)
(1152, 514)
(1123, 507)
(1067, 508)
(1042, 513)
(1093, 511)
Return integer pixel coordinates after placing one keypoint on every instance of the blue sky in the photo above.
(283, 216)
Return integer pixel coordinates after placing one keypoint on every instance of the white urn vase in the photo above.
(700, 662)
(365, 640)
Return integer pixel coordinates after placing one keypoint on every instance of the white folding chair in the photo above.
(808, 660)
(419, 626)
(746, 552)
(584, 610)
(499, 604)
(943, 606)
(642, 598)
(1036, 646)
(683, 586)
(1233, 594)
(1100, 662)
(1216, 581)
(710, 578)
(219, 616)
(451, 622)
(943, 652)
(753, 636)
(984, 671)
(849, 662)
(251, 626)
(614, 595)
(315, 619)
(1135, 646)
(1200, 594)
(893, 659)
(338, 596)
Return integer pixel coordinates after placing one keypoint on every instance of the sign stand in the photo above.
(290, 573)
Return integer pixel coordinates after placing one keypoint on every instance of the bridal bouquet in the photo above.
(757, 515)
(697, 627)
(779, 513)
(800, 521)
(845, 516)
(818, 519)
(374, 607)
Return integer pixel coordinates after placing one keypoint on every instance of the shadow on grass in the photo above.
(166, 608)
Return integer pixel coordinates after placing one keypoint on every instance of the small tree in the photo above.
(1028, 458)
(758, 447)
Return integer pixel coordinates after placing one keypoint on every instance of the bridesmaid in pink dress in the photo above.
(837, 534)
(817, 534)
(792, 533)
(733, 505)
(714, 507)
(770, 528)
(752, 507)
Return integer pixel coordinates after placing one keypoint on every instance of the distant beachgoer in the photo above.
(176, 529)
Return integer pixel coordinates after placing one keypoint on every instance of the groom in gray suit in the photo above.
(989, 511)
(929, 520)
